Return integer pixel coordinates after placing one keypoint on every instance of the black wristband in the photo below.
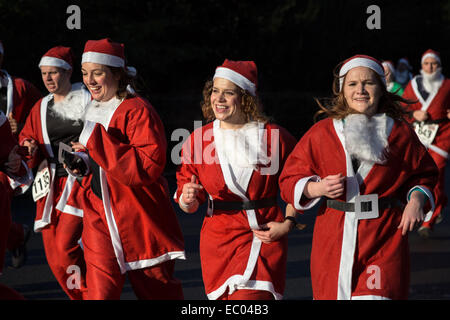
(292, 219)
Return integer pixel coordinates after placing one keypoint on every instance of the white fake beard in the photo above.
(71, 107)
(366, 139)
(243, 147)
(431, 82)
(100, 112)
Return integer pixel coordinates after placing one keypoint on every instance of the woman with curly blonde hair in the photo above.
(241, 257)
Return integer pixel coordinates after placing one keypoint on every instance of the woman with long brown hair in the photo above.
(233, 162)
(377, 180)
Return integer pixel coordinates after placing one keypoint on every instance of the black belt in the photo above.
(436, 121)
(242, 205)
(383, 203)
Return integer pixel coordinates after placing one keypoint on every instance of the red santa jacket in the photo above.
(231, 256)
(436, 105)
(21, 96)
(130, 148)
(351, 257)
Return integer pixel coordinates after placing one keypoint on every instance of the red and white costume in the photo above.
(356, 253)
(57, 217)
(127, 141)
(346, 250)
(436, 105)
(21, 96)
(232, 258)
(6, 146)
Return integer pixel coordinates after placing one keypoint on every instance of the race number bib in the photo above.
(41, 184)
(426, 132)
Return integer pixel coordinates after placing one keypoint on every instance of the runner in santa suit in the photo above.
(17, 97)
(55, 119)
(129, 223)
(364, 152)
(10, 164)
(431, 91)
(233, 163)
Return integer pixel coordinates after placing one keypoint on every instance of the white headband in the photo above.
(54, 62)
(236, 78)
(102, 58)
(431, 55)
(360, 62)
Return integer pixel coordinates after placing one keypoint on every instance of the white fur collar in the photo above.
(367, 138)
(72, 106)
(101, 112)
(243, 147)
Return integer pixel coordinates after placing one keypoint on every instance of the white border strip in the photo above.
(102, 58)
(360, 62)
(54, 62)
(236, 78)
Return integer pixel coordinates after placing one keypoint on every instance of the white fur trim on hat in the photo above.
(236, 78)
(431, 55)
(360, 62)
(54, 62)
(102, 58)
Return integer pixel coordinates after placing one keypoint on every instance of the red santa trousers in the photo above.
(246, 294)
(103, 276)
(63, 252)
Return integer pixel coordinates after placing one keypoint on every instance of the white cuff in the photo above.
(298, 192)
(181, 202)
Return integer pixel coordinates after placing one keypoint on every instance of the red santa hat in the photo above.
(361, 60)
(61, 57)
(105, 52)
(242, 73)
(431, 54)
(2, 50)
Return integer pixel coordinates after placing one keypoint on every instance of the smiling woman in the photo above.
(377, 178)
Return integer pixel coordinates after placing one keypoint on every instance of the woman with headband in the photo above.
(377, 180)
(233, 162)
(129, 224)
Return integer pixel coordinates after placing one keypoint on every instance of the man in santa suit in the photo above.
(10, 163)
(56, 119)
(17, 97)
(431, 91)
(129, 224)
(234, 162)
(377, 179)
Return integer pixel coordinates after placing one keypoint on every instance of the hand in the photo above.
(420, 115)
(13, 123)
(448, 113)
(413, 213)
(332, 186)
(273, 231)
(31, 145)
(14, 161)
(76, 146)
(190, 191)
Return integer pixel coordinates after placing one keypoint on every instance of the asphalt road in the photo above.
(430, 261)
